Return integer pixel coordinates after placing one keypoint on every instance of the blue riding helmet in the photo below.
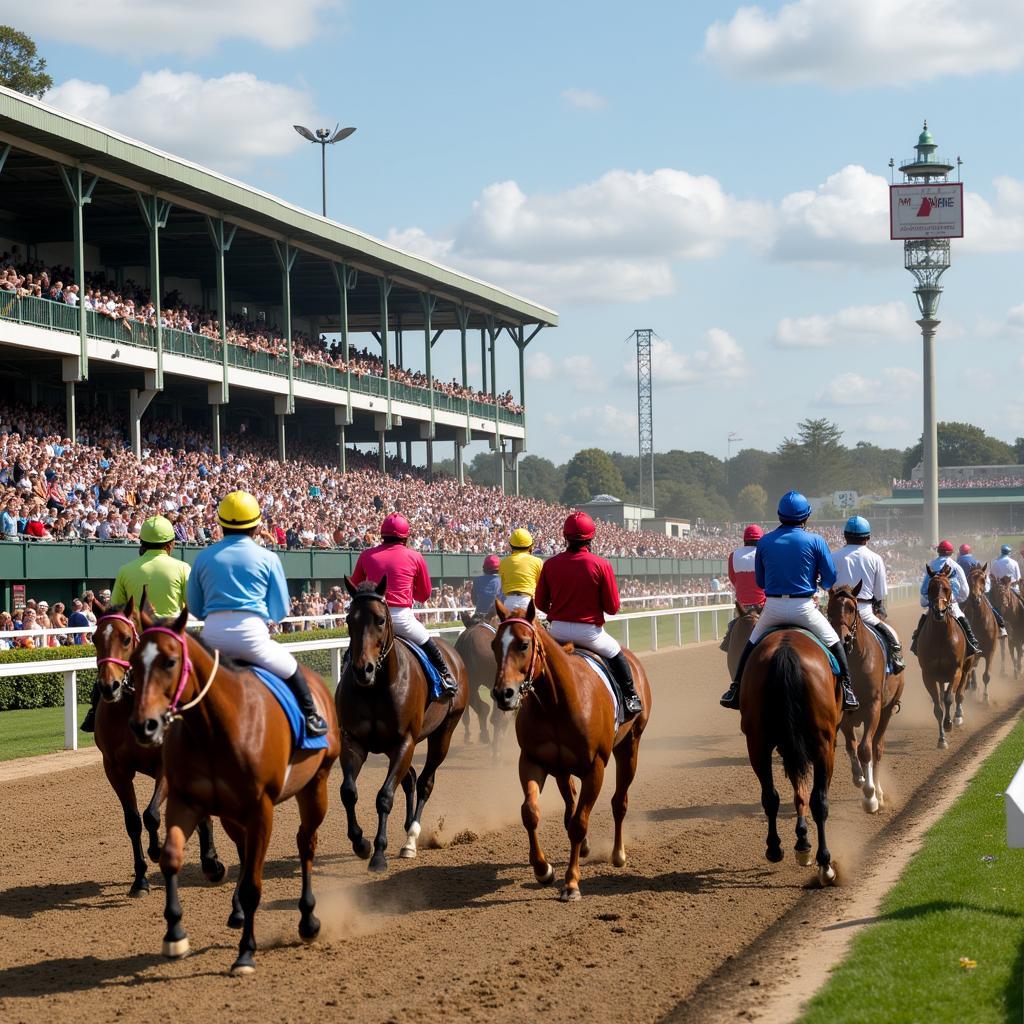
(793, 507)
(1005, 549)
(857, 526)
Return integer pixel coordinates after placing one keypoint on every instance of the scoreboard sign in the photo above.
(926, 211)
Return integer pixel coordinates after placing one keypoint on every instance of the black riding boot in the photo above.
(449, 688)
(624, 680)
(895, 649)
(724, 645)
(315, 722)
(913, 639)
(972, 640)
(731, 697)
(89, 723)
(1000, 621)
(850, 702)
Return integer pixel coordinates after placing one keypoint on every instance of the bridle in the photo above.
(126, 679)
(536, 653)
(389, 636)
(940, 613)
(173, 710)
(850, 640)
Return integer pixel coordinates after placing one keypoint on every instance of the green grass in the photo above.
(37, 731)
(962, 895)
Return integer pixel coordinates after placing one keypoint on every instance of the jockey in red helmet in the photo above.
(576, 590)
(961, 591)
(742, 577)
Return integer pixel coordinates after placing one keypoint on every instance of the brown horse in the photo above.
(983, 621)
(739, 634)
(1009, 605)
(879, 694)
(474, 647)
(384, 707)
(566, 726)
(942, 654)
(117, 633)
(227, 750)
(789, 701)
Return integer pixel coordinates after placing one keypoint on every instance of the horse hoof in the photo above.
(241, 968)
(214, 871)
(175, 950)
(804, 857)
(943, 745)
(407, 853)
(378, 865)
(773, 855)
(568, 895)
(826, 876)
(958, 721)
(871, 804)
(309, 928)
(362, 848)
(858, 782)
(236, 921)
(619, 858)
(547, 877)
(153, 853)
(984, 699)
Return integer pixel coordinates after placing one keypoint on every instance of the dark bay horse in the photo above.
(983, 621)
(384, 707)
(227, 751)
(789, 701)
(565, 726)
(878, 694)
(117, 633)
(1012, 611)
(743, 626)
(942, 654)
(474, 647)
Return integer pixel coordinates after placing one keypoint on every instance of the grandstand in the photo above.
(187, 296)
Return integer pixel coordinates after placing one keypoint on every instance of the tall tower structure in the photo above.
(645, 411)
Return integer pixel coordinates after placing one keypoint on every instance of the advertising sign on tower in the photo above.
(926, 211)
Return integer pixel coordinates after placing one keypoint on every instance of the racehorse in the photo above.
(983, 621)
(1010, 607)
(746, 619)
(230, 755)
(115, 637)
(566, 726)
(942, 654)
(879, 694)
(789, 700)
(384, 707)
(474, 647)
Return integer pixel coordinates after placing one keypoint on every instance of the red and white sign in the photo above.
(926, 211)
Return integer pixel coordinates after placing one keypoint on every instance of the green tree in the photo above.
(21, 68)
(592, 471)
(750, 466)
(815, 460)
(540, 478)
(963, 444)
(690, 500)
(752, 503)
(871, 469)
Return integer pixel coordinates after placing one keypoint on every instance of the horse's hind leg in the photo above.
(212, 866)
(590, 789)
(856, 765)
(399, 761)
(531, 777)
(123, 786)
(312, 803)
(237, 835)
(353, 757)
(437, 750)
(567, 788)
(761, 762)
(626, 754)
(250, 883)
(409, 788)
(151, 817)
(499, 726)
(878, 749)
(181, 823)
(802, 849)
(819, 809)
(865, 752)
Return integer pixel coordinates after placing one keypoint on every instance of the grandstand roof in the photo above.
(32, 193)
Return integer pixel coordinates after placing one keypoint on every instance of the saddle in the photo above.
(607, 676)
(833, 664)
(290, 706)
(433, 676)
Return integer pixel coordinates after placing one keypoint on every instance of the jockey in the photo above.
(519, 571)
(163, 577)
(961, 592)
(967, 562)
(1006, 565)
(237, 587)
(576, 590)
(857, 563)
(408, 581)
(742, 578)
(487, 588)
(789, 564)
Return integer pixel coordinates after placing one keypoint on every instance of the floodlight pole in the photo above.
(325, 137)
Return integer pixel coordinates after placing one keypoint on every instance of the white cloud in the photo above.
(612, 239)
(131, 28)
(584, 99)
(854, 325)
(720, 358)
(588, 423)
(856, 43)
(579, 373)
(227, 122)
(879, 424)
(893, 384)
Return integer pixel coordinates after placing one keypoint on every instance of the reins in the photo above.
(536, 655)
(173, 710)
(389, 637)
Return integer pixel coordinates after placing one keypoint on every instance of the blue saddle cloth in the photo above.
(290, 707)
(433, 676)
(806, 632)
(883, 640)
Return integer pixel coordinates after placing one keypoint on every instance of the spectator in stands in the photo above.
(78, 618)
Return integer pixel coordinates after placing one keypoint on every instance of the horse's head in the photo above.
(117, 633)
(371, 635)
(940, 591)
(160, 668)
(519, 655)
(748, 611)
(843, 613)
(976, 580)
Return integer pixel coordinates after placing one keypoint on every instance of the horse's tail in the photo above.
(787, 698)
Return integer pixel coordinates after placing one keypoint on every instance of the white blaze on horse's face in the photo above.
(513, 654)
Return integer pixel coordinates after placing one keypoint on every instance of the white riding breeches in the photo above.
(407, 626)
(516, 602)
(245, 636)
(954, 607)
(794, 611)
(587, 635)
(867, 613)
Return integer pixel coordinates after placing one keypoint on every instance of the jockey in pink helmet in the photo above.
(487, 588)
(742, 578)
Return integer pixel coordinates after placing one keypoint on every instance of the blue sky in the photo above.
(713, 171)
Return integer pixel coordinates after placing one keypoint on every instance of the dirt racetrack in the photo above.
(464, 931)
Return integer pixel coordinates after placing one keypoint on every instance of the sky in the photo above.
(713, 171)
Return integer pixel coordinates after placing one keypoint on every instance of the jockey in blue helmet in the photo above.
(789, 565)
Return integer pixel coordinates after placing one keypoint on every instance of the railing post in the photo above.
(696, 621)
(71, 710)
(335, 665)
(679, 630)
(715, 621)
(625, 626)
(654, 632)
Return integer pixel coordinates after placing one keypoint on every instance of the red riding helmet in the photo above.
(965, 549)
(752, 534)
(945, 547)
(579, 526)
(396, 525)
(492, 563)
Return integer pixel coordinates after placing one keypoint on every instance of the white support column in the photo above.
(138, 403)
(71, 710)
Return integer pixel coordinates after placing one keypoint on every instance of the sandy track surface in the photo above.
(464, 929)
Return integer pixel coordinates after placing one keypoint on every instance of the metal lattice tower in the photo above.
(645, 411)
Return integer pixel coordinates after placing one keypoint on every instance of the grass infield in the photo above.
(36, 731)
(948, 942)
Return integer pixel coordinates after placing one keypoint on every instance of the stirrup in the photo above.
(731, 697)
(632, 705)
(850, 702)
(316, 725)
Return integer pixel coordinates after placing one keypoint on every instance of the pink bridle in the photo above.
(117, 617)
(527, 684)
(186, 665)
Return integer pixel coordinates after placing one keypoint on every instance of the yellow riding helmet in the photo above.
(239, 510)
(156, 530)
(521, 539)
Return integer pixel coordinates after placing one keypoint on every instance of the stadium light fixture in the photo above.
(324, 137)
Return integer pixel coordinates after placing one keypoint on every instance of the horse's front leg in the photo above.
(213, 868)
(856, 765)
(399, 762)
(531, 777)
(250, 882)
(181, 822)
(353, 757)
(123, 786)
(151, 816)
(590, 789)
(947, 700)
(438, 743)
